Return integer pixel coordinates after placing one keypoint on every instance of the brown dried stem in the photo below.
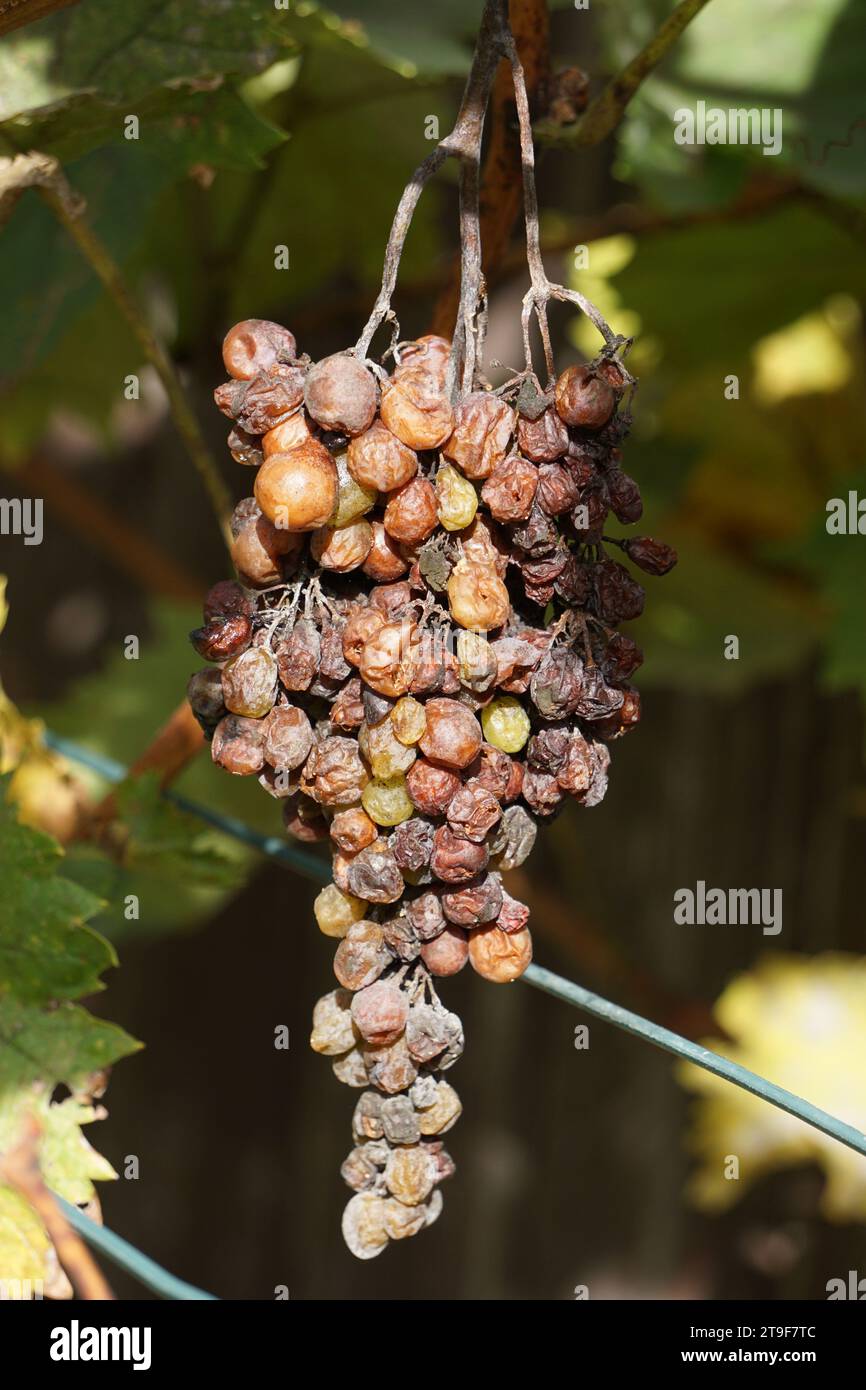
(541, 290)
(465, 343)
(463, 143)
(501, 185)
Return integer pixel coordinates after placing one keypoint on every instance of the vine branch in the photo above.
(44, 173)
(604, 114)
(14, 14)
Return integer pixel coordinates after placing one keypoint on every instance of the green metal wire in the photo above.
(315, 868)
(127, 1257)
(693, 1052)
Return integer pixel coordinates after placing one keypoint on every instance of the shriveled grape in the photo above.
(483, 426)
(447, 953)
(379, 461)
(364, 1225)
(254, 344)
(288, 737)
(238, 745)
(452, 735)
(333, 1029)
(456, 499)
(340, 394)
(439, 1117)
(380, 1011)
(297, 491)
(410, 1173)
(409, 722)
(361, 956)
(500, 956)
(374, 875)
(335, 911)
(415, 408)
(386, 800)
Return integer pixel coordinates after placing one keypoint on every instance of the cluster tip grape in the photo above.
(419, 660)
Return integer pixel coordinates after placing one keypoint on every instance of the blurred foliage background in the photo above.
(262, 127)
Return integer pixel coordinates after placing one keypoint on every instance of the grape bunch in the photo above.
(420, 659)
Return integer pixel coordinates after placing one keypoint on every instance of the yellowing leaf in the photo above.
(800, 1021)
(25, 1249)
(807, 356)
(605, 259)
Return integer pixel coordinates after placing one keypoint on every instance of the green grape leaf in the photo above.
(119, 189)
(38, 1051)
(44, 1048)
(81, 374)
(121, 184)
(125, 51)
(176, 130)
(414, 39)
(68, 83)
(46, 949)
(69, 1162)
(27, 1260)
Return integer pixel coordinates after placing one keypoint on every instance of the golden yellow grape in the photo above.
(505, 723)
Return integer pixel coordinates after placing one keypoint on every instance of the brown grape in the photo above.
(297, 491)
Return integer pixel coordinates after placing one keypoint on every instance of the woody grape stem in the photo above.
(494, 41)
(541, 290)
(464, 143)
